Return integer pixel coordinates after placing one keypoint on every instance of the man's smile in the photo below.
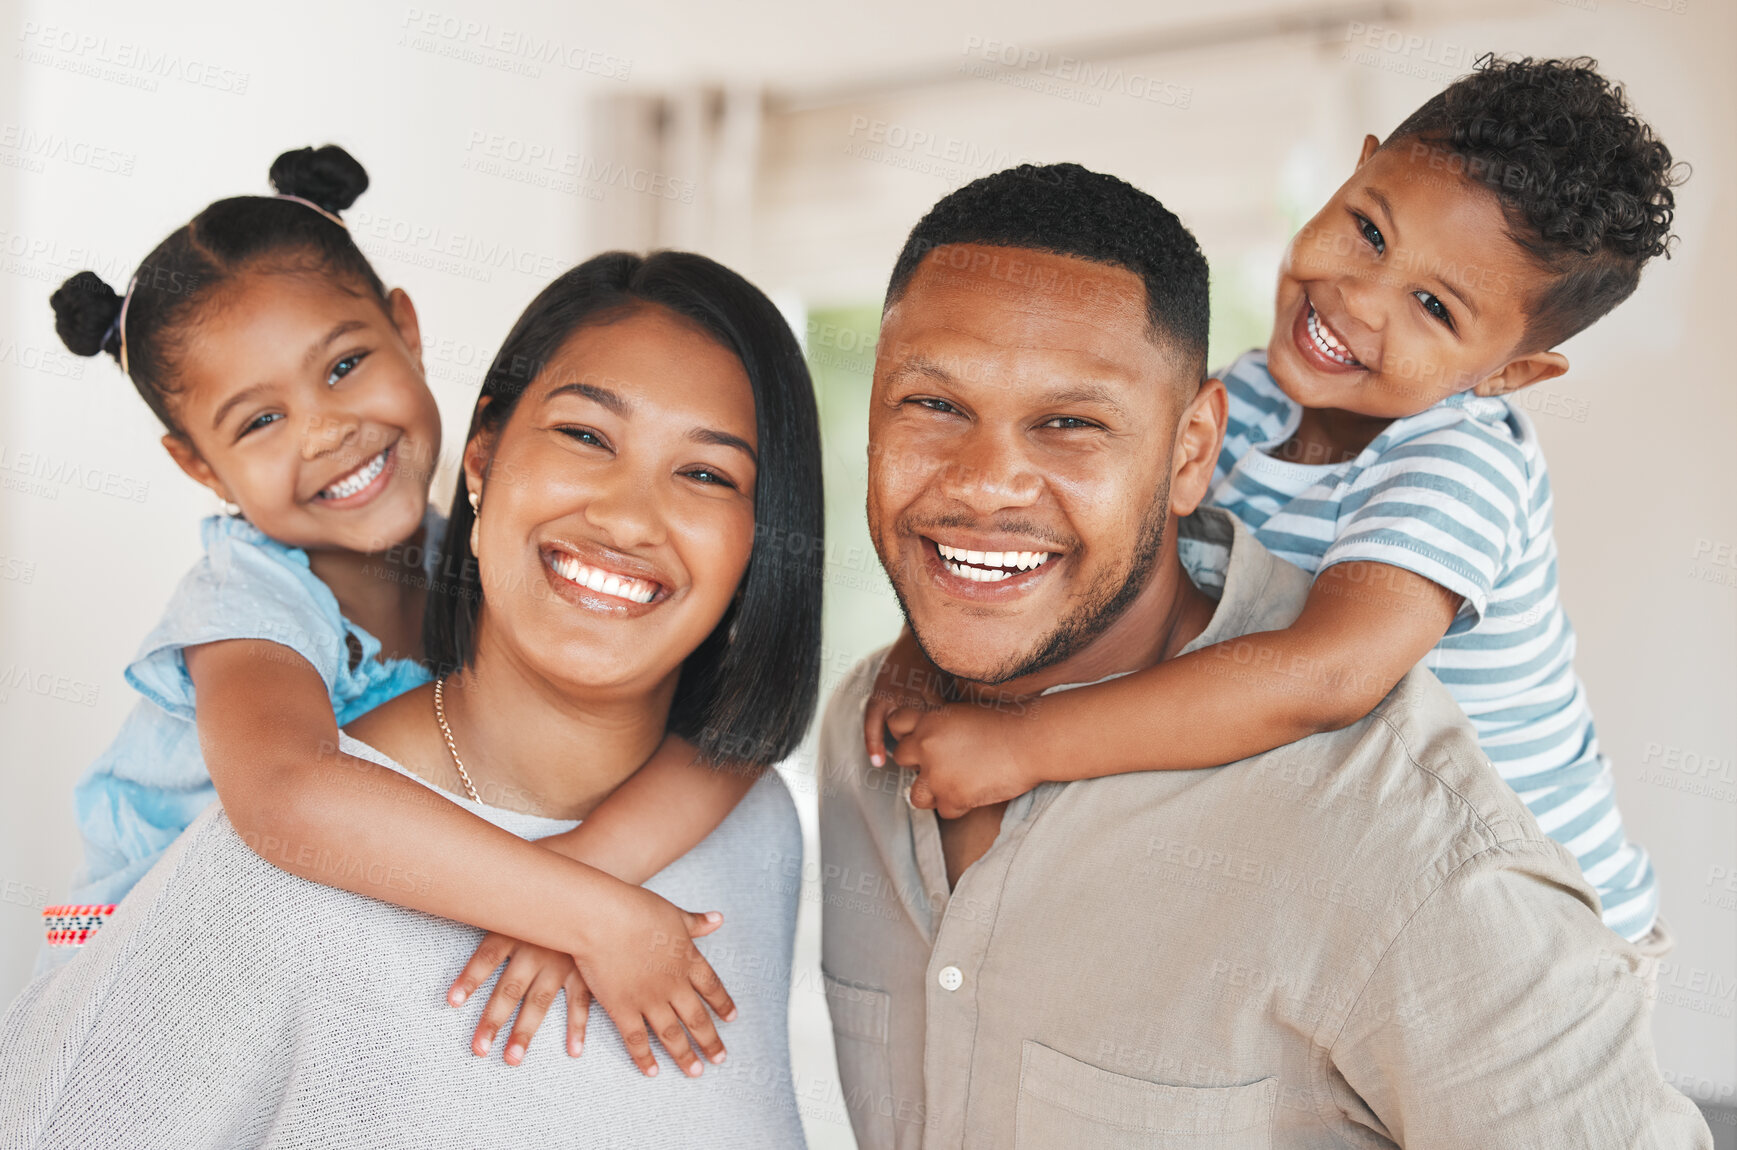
(986, 569)
(991, 566)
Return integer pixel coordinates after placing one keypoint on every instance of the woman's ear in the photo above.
(479, 451)
(189, 460)
(403, 315)
(734, 610)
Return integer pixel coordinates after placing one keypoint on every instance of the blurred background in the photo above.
(798, 144)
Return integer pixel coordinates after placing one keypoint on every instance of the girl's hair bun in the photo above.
(85, 311)
(328, 176)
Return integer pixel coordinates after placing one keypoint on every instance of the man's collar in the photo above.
(1227, 563)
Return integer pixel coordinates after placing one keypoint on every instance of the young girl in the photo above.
(1369, 444)
(290, 383)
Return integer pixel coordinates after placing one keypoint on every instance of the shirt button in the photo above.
(951, 978)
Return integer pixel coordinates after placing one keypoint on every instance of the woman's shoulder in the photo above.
(745, 867)
(762, 834)
(186, 987)
(767, 809)
(208, 876)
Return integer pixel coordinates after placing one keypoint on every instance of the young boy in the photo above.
(1369, 444)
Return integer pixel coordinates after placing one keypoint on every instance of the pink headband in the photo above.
(309, 203)
(126, 301)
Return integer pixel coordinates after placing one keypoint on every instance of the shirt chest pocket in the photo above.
(1066, 1102)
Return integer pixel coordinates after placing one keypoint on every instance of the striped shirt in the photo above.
(1459, 495)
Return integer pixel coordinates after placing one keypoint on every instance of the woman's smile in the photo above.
(640, 433)
(600, 585)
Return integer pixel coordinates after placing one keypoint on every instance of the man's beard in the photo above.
(1105, 602)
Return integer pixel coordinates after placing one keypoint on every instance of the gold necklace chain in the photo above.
(440, 717)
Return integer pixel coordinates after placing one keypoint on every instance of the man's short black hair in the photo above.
(1584, 183)
(1068, 210)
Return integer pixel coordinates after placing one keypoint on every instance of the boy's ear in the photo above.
(1370, 146)
(403, 314)
(1534, 367)
(190, 461)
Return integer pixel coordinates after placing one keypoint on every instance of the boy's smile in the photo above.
(1406, 288)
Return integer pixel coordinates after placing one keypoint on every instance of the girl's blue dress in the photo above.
(151, 782)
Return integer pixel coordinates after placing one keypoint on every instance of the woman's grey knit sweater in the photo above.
(231, 1004)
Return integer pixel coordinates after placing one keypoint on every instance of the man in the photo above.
(1358, 939)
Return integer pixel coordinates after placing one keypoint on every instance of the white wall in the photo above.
(1642, 468)
(89, 570)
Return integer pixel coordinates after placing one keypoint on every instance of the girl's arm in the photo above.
(660, 813)
(663, 811)
(270, 740)
(906, 680)
(1363, 627)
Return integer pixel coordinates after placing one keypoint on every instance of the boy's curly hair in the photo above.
(1585, 184)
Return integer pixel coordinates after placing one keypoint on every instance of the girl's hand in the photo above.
(530, 982)
(907, 680)
(965, 755)
(651, 979)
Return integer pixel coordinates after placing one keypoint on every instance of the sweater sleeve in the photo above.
(151, 1036)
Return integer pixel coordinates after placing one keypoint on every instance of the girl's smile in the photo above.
(303, 399)
(360, 485)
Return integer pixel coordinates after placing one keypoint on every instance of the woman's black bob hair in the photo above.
(747, 692)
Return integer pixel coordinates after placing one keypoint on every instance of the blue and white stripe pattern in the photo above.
(1459, 495)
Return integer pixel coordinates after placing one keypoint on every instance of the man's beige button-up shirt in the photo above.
(1360, 939)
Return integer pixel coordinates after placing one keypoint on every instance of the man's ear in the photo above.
(189, 460)
(1370, 146)
(1535, 367)
(1198, 437)
(403, 314)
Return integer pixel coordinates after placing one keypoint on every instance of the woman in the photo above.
(644, 416)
